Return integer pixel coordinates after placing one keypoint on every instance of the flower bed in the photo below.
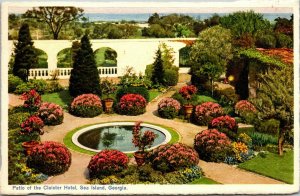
(246, 110)
(212, 145)
(107, 162)
(51, 114)
(86, 105)
(132, 104)
(32, 100)
(225, 124)
(168, 108)
(205, 112)
(188, 91)
(50, 158)
(31, 125)
(171, 157)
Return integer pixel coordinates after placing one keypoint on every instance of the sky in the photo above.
(165, 6)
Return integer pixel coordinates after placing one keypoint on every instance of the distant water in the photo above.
(143, 17)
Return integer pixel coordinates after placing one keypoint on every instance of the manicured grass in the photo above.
(273, 165)
(62, 98)
(204, 180)
(153, 94)
(175, 137)
(203, 98)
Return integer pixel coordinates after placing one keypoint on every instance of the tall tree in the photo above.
(211, 52)
(275, 100)
(158, 69)
(55, 17)
(25, 54)
(84, 75)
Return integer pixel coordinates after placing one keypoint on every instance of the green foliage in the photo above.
(258, 56)
(15, 119)
(84, 75)
(106, 57)
(270, 126)
(261, 139)
(241, 23)
(284, 41)
(60, 16)
(25, 54)
(40, 85)
(183, 101)
(41, 59)
(284, 25)
(272, 165)
(184, 56)
(13, 82)
(266, 40)
(114, 31)
(130, 78)
(171, 77)
(158, 69)
(132, 90)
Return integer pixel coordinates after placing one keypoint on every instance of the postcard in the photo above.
(137, 97)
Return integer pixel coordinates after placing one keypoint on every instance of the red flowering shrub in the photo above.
(205, 112)
(246, 110)
(86, 105)
(244, 106)
(107, 162)
(33, 124)
(32, 100)
(132, 104)
(225, 124)
(142, 141)
(171, 157)
(168, 108)
(50, 158)
(212, 145)
(188, 91)
(51, 113)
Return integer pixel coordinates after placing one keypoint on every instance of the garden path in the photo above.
(77, 173)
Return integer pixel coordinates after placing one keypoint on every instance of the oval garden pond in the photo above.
(116, 135)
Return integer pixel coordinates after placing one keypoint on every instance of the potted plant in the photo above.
(31, 127)
(141, 141)
(108, 88)
(187, 92)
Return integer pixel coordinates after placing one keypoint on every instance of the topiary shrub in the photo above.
(86, 105)
(107, 162)
(141, 90)
(205, 112)
(168, 108)
(212, 145)
(172, 157)
(170, 77)
(132, 104)
(50, 158)
(225, 124)
(53, 86)
(51, 113)
(13, 82)
(15, 120)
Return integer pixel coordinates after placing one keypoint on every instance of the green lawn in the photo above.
(204, 180)
(62, 98)
(203, 98)
(274, 166)
(153, 94)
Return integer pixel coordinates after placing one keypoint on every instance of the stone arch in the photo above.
(184, 54)
(106, 57)
(64, 58)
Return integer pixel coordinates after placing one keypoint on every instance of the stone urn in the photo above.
(28, 146)
(140, 158)
(188, 110)
(108, 104)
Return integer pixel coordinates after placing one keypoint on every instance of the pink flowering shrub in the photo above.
(51, 113)
(33, 124)
(205, 112)
(212, 145)
(142, 140)
(246, 110)
(225, 124)
(168, 108)
(187, 91)
(107, 162)
(171, 157)
(132, 104)
(50, 158)
(32, 100)
(86, 105)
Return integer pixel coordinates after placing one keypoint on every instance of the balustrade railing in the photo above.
(64, 73)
